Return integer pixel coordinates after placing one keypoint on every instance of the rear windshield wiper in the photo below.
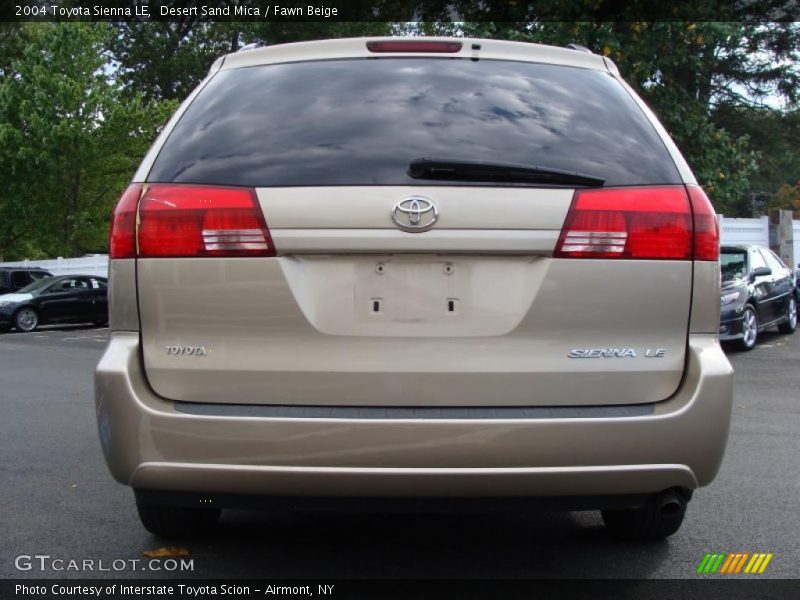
(455, 169)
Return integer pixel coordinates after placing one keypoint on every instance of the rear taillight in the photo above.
(201, 221)
(706, 227)
(122, 236)
(638, 223)
(414, 46)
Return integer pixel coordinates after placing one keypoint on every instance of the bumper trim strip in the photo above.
(412, 412)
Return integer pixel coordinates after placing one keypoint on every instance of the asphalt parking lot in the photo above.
(59, 500)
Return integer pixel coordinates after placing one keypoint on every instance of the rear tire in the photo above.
(26, 319)
(749, 329)
(176, 521)
(660, 517)
(790, 324)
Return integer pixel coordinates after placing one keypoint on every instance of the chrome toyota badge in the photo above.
(415, 214)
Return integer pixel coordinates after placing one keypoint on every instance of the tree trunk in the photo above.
(72, 217)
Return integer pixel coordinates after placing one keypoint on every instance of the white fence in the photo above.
(744, 231)
(732, 231)
(754, 231)
(91, 264)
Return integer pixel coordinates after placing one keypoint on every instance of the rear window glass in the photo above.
(361, 121)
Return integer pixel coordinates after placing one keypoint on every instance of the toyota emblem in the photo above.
(415, 214)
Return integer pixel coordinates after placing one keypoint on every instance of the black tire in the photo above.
(4, 328)
(790, 324)
(26, 319)
(748, 341)
(660, 517)
(101, 322)
(177, 521)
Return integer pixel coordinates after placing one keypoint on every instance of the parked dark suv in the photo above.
(16, 278)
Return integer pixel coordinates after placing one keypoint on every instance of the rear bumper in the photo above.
(148, 443)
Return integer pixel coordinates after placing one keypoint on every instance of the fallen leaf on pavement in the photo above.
(166, 552)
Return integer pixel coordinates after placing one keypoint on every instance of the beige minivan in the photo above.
(414, 268)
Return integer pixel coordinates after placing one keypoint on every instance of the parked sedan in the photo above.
(758, 292)
(65, 299)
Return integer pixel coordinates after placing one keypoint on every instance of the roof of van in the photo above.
(470, 48)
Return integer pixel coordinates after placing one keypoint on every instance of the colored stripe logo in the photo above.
(734, 563)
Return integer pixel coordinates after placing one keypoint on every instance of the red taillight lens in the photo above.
(632, 223)
(706, 227)
(414, 46)
(122, 236)
(201, 221)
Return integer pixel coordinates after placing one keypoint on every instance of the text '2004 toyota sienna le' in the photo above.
(414, 268)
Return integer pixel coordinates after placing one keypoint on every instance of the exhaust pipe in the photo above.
(669, 503)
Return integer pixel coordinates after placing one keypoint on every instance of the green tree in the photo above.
(69, 142)
(787, 197)
(687, 72)
(166, 60)
(13, 39)
(774, 133)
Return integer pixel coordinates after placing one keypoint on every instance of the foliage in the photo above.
(787, 197)
(80, 103)
(688, 72)
(166, 60)
(774, 134)
(69, 142)
(13, 39)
